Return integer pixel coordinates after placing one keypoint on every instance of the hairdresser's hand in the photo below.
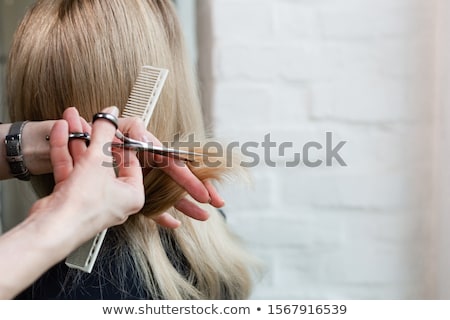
(88, 197)
(86, 183)
(202, 191)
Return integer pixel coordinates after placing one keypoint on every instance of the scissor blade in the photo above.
(164, 151)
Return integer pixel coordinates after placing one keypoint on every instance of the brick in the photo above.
(300, 138)
(255, 106)
(391, 148)
(238, 105)
(294, 20)
(302, 61)
(258, 63)
(390, 228)
(362, 70)
(293, 61)
(242, 22)
(295, 268)
(243, 197)
(274, 147)
(292, 104)
(279, 231)
(370, 265)
(367, 100)
(393, 190)
(369, 19)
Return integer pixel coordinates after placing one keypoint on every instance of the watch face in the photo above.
(13, 137)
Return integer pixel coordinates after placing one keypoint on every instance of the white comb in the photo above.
(145, 93)
(140, 104)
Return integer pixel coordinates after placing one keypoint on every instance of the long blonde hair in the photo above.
(87, 53)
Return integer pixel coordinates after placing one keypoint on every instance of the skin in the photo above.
(201, 191)
(71, 214)
(36, 151)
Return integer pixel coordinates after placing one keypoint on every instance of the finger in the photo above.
(167, 220)
(127, 161)
(85, 125)
(184, 177)
(103, 130)
(191, 210)
(135, 129)
(176, 169)
(179, 172)
(128, 167)
(59, 152)
(216, 199)
(77, 147)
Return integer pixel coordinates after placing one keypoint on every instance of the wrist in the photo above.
(57, 225)
(35, 148)
(66, 220)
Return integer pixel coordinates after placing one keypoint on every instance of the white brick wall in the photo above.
(362, 69)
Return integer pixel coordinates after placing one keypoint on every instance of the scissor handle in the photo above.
(80, 135)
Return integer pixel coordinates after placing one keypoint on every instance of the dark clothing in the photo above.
(104, 282)
(57, 284)
(114, 276)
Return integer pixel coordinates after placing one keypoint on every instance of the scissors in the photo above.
(132, 144)
(129, 143)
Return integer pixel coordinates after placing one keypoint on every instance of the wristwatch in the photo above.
(14, 154)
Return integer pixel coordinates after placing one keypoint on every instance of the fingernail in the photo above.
(219, 203)
(113, 110)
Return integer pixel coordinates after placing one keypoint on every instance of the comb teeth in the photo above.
(145, 93)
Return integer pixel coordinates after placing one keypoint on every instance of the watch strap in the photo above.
(14, 156)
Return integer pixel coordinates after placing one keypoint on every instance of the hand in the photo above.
(85, 185)
(201, 191)
(88, 197)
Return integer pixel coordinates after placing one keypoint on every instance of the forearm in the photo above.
(33, 247)
(35, 148)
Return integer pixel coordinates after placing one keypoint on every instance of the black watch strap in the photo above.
(14, 156)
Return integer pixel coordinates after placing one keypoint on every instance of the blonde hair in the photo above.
(87, 53)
